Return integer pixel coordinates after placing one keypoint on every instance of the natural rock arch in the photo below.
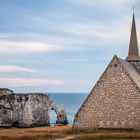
(61, 115)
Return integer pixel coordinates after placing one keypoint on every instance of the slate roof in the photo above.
(131, 71)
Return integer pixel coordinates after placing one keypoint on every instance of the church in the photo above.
(114, 102)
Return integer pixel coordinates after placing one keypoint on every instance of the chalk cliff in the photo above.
(25, 110)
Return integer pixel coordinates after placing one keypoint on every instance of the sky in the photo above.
(62, 45)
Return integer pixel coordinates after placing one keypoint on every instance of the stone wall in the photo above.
(114, 102)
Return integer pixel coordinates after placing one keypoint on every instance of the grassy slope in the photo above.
(50, 133)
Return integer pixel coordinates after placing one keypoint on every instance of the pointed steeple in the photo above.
(133, 54)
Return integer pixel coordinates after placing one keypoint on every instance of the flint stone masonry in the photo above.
(26, 110)
(114, 102)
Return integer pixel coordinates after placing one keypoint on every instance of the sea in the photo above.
(72, 102)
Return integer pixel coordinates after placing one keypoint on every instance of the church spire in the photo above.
(133, 54)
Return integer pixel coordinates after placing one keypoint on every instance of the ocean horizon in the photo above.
(72, 102)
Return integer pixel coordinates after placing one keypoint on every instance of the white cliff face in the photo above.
(27, 111)
(24, 109)
(39, 108)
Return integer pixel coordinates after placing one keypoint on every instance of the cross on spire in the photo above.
(133, 8)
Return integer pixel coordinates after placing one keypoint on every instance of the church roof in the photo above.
(133, 54)
(131, 70)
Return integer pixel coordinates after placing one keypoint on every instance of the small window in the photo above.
(115, 65)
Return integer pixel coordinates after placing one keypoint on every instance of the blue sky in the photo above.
(61, 45)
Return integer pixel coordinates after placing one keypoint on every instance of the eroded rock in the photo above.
(25, 110)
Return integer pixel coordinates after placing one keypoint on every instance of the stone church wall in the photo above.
(114, 102)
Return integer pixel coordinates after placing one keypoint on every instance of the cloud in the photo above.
(83, 32)
(57, 34)
(13, 68)
(71, 35)
(26, 47)
(113, 5)
(27, 82)
(77, 36)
